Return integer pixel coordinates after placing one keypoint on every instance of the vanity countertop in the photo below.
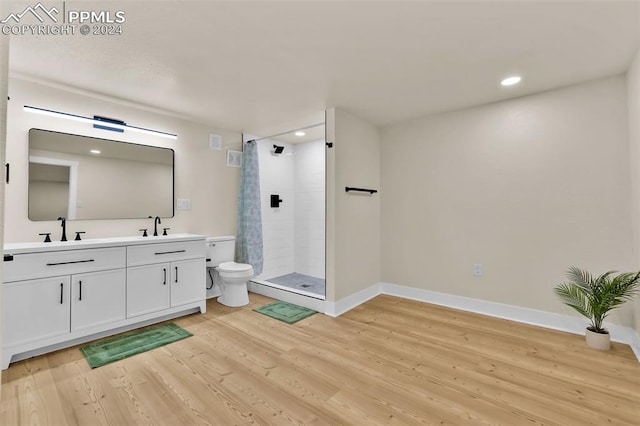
(39, 247)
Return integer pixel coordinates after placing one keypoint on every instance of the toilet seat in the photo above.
(234, 267)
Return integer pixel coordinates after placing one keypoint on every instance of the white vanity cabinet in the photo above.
(148, 289)
(97, 298)
(60, 294)
(184, 275)
(164, 275)
(35, 309)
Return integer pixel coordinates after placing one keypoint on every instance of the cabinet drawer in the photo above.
(167, 252)
(51, 264)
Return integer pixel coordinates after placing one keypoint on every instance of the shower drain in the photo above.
(305, 285)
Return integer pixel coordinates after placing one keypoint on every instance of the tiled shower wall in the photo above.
(309, 227)
(278, 232)
(293, 234)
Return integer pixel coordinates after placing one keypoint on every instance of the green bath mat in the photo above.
(287, 312)
(120, 347)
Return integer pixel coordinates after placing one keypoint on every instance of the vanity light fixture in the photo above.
(99, 122)
(510, 81)
(300, 133)
(95, 151)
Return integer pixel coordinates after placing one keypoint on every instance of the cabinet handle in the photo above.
(170, 252)
(80, 290)
(61, 292)
(164, 270)
(68, 263)
(176, 274)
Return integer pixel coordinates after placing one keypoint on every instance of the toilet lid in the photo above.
(233, 267)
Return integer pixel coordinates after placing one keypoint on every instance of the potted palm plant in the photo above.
(595, 297)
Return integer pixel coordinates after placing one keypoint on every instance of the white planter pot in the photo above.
(598, 341)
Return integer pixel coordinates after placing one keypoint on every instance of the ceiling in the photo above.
(264, 67)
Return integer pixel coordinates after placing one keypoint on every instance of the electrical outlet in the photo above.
(478, 270)
(183, 204)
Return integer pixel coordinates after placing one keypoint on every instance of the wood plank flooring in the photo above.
(388, 361)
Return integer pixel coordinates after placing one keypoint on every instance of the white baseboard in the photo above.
(635, 345)
(514, 313)
(338, 308)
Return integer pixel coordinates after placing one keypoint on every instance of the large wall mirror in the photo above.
(82, 177)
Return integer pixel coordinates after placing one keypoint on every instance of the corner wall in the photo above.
(524, 187)
(201, 175)
(4, 83)
(633, 101)
(353, 219)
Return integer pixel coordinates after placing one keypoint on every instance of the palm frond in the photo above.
(594, 298)
(579, 277)
(575, 296)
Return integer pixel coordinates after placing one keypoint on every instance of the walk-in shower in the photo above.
(292, 187)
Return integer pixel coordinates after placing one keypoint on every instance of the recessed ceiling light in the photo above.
(510, 81)
(300, 133)
(95, 151)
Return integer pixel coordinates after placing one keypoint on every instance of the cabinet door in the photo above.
(97, 298)
(187, 281)
(147, 289)
(35, 309)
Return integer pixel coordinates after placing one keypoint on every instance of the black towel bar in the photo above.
(370, 191)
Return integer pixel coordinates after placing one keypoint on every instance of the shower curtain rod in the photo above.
(286, 133)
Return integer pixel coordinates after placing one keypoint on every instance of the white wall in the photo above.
(525, 187)
(309, 186)
(200, 174)
(353, 220)
(633, 101)
(4, 93)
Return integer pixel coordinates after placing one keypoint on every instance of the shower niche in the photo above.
(292, 188)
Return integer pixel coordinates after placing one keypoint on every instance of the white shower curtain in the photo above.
(249, 234)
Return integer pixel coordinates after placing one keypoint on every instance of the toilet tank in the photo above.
(220, 250)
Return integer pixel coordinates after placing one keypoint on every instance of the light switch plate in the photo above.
(183, 204)
(215, 142)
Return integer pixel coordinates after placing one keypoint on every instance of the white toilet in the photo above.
(233, 276)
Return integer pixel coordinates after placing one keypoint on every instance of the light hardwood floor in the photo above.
(389, 361)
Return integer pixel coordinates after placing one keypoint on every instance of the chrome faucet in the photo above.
(156, 221)
(64, 228)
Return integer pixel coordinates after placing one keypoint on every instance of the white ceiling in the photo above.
(264, 67)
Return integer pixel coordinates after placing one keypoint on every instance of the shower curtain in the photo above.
(249, 234)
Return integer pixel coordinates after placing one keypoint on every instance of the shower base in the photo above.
(301, 282)
(287, 294)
